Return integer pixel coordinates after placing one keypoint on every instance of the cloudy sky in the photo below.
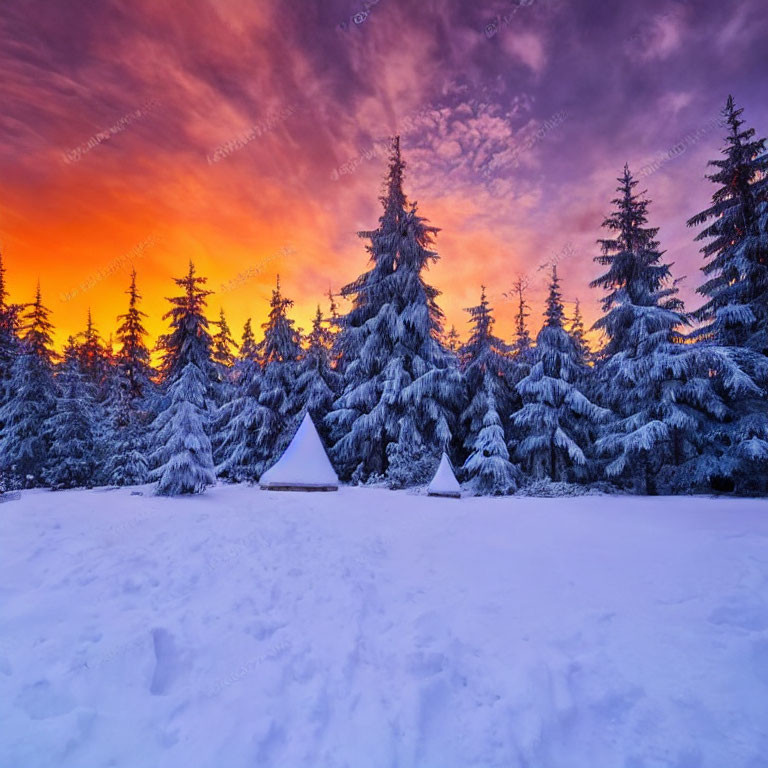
(248, 136)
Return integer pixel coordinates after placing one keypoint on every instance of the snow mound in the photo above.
(444, 483)
(304, 465)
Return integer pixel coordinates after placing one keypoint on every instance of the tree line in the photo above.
(674, 401)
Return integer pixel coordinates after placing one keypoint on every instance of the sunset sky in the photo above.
(515, 123)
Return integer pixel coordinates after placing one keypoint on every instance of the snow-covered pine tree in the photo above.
(657, 386)
(486, 368)
(254, 428)
(182, 456)
(133, 359)
(223, 356)
(522, 347)
(127, 462)
(92, 357)
(334, 322)
(72, 427)
(557, 423)
(235, 430)
(453, 340)
(401, 386)
(130, 399)
(734, 316)
(578, 334)
(632, 247)
(9, 336)
(24, 446)
(279, 352)
(317, 384)
(189, 340)
(248, 347)
(735, 313)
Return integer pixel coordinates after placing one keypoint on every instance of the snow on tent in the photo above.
(304, 466)
(444, 483)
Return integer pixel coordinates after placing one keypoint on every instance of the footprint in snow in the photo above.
(41, 701)
(169, 662)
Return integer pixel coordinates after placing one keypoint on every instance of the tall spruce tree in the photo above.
(734, 317)
(397, 408)
(130, 398)
(24, 445)
(486, 368)
(557, 423)
(72, 428)
(735, 313)
(657, 386)
(634, 268)
(133, 359)
(189, 340)
(182, 457)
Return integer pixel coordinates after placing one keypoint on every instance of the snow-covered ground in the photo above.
(372, 628)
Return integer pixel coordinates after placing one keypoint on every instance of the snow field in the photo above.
(378, 628)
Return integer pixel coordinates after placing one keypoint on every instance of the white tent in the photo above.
(444, 483)
(304, 466)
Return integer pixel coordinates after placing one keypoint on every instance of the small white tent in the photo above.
(304, 466)
(444, 483)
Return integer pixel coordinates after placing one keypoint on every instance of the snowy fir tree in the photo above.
(634, 268)
(129, 398)
(248, 348)
(127, 462)
(133, 359)
(578, 334)
(189, 340)
(557, 424)
(9, 336)
(486, 368)
(72, 428)
(401, 386)
(656, 385)
(222, 352)
(255, 426)
(522, 347)
(92, 357)
(182, 456)
(317, 383)
(734, 316)
(453, 340)
(279, 352)
(237, 422)
(238, 445)
(24, 446)
(735, 313)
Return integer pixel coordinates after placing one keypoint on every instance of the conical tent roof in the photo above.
(444, 483)
(304, 466)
